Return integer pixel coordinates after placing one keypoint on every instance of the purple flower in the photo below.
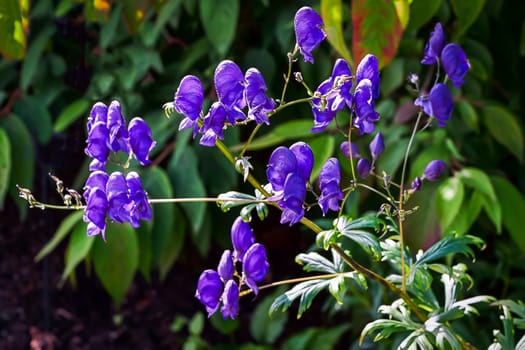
(434, 170)
(118, 134)
(96, 179)
(363, 167)
(455, 63)
(95, 212)
(368, 68)
(140, 140)
(95, 164)
(305, 159)
(98, 113)
(294, 193)
(364, 107)
(242, 238)
(282, 162)
(329, 180)
(255, 266)
(416, 184)
(229, 84)
(377, 146)
(118, 198)
(209, 290)
(230, 300)
(212, 127)
(226, 267)
(255, 94)
(437, 104)
(188, 102)
(308, 31)
(322, 107)
(342, 80)
(434, 45)
(97, 142)
(345, 149)
(138, 207)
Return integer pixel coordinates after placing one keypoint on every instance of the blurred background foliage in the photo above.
(60, 57)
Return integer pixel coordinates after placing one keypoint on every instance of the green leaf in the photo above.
(355, 232)
(505, 128)
(264, 329)
(36, 117)
(512, 204)
(219, 19)
(332, 14)
(196, 324)
(468, 115)
(34, 57)
(144, 239)
(116, 260)
(13, 38)
(71, 113)
(290, 130)
(107, 32)
(168, 11)
(392, 76)
(449, 199)
(478, 180)
(468, 213)
(5, 165)
(173, 246)
(224, 326)
(323, 148)
(376, 30)
(316, 338)
(78, 248)
(315, 262)
(421, 12)
(63, 230)
(450, 245)
(305, 292)
(403, 11)
(467, 11)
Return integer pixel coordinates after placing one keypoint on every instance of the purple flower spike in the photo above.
(255, 94)
(255, 266)
(140, 140)
(213, 125)
(118, 197)
(434, 45)
(434, 170)
(95, 213)
(377, 146)
(209, 290)
(118, 134)
(188, 102)
(305, 159)
(308, 31)
(363, 167)
(99, 113)
(364, 107)
(282, 162)
(226, 267)
(242, 238)
(229, 84)
(139, 207)
(345, 149)
(455, 63)
(230, 300)
(368, 68)
(329, 179)
(437, 104)
(294, 193)
(96, 179)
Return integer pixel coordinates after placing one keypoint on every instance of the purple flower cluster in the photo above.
(364, 166)
(438, 103)
(335, 93)
(223, 285)
(235, 91)
(120, 197)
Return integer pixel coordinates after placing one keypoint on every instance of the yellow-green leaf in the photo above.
(332, 14)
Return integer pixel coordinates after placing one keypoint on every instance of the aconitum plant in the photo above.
(345, 104)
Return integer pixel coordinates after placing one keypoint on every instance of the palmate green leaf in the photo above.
(316, 262)
(78, 248)
(305, 292)
(325, 238)
(505, 128)
(450, 245)
(5, 165)
(219, 19)
(354, 231)
(332, 14)
(449, 199)
(384, 329)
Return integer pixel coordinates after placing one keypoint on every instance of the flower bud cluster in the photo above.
(364, 166)
(222, 286)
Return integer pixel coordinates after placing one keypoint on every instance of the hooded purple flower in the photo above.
(229, 84)
(455, 63)
(282, 162)
(140, 140)
(118, 197)
(434, 45)
(188, 102)
(368, 68)
(138, 207)
(98, 113)
(363, 167)
(118, 134)
(242, 238)
(255, 94)
(96, 179)
(305, 159)
(377, 146)
(308, 31)
(434, 170)
(342, 80)
(230, 300)
(322, 107)
(364, 107)
(345, 149)
(213, 125)
(95, 164)
(97, 142)
(329, 180)
(95, 212)
(255, 266)
(209, 290)
(226, 267)
(294, 193)
(437, 104)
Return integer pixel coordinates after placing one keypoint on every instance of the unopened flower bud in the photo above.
(434, 170)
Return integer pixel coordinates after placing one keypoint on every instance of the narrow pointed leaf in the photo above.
(77, 250)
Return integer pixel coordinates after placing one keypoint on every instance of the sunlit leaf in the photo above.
(13, 38)
(403, 11)
(355, 232)
(449, 198)
(450, 245)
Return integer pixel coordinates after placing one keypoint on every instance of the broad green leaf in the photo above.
(468, 213)
(468, 115)
(5, 165)
(13, 38)
(34, 56)
(450, 245)
(36, 117)
(332, 14)
(145, 242)
(449, 199)
(512, 204)
(505, 128)
(219, 19)
(77, 250)
(421, 11)
(290, 130)
(264, 329)
(70, 114)
(467, 11)
(63, 230)
(478, 180)
(171, 251)
(376, 30)
(116, 260)
(323, 148)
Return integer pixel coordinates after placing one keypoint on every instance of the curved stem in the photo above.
(289, 73)
(371, 189)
